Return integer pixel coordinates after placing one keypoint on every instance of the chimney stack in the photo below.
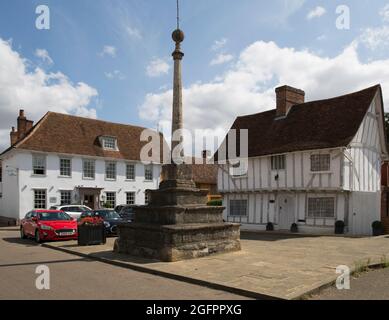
(23, 127)
(287, 97)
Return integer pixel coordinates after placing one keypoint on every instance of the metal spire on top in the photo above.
(178, 14)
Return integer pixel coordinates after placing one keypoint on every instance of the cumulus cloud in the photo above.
(221, 59)
(157, 67)
(248, 86)
(384, 13)
(37, 92)
(44, 56)
(108, 51)
(316, 13)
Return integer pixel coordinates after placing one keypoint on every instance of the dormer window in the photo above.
(109, 143)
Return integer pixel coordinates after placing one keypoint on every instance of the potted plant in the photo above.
(91, 230)
(269, 226)
(339, 227)
(294, 228)
(378, 228)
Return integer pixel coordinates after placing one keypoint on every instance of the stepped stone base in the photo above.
(171, 243)
(177, 224)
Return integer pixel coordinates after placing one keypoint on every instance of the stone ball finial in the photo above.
(178, 35)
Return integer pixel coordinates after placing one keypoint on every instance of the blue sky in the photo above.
(222, 36)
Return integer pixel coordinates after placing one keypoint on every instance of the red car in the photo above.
(48, 225)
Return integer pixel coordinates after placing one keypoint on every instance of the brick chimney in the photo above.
(287, 97)
(23, 127)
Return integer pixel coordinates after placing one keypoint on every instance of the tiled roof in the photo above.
(313, 125)
(67, 134)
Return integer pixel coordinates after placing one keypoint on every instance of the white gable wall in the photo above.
(362, 169)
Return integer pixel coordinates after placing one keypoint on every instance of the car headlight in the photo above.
(107, 224)
(44, 227)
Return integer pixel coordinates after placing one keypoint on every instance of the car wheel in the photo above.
(22, 234)
(37, 237)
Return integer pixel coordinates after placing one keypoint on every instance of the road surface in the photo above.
(72, 277)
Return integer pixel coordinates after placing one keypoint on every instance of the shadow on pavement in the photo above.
(269, 236)
(25, 242)
(44, 262)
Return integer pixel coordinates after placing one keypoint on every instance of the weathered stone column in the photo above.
(177, 117)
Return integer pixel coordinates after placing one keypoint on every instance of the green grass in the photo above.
(361, 266)
(384, 261)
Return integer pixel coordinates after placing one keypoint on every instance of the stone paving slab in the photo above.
(269, 265)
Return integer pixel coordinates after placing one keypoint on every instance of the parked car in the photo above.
(72, 210)
(119, 208)
(128, 213)
(48, 225)
(110, 218)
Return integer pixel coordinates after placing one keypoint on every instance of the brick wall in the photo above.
(385, 208)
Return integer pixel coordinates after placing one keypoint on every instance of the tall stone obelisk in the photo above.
(176, 175)
(177, 117)
(177, 224)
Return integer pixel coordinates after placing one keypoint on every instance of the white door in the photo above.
(286, 216)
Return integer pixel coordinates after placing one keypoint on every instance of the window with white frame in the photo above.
(320, 162)
(65, 167)
(66, 198)
(40, 198)
(149, 172)
(110, 170)
(88, 169)
(130, 197)
(39, 165)
(147, 198)
(278, 162)
(110, 199)
(321, 207)
(130, 171)
(238, 208)
(109, 143)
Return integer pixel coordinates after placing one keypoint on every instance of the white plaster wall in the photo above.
(296, 176)
(18, 200)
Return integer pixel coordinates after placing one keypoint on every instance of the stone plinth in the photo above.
(171, 243)
(177, 224)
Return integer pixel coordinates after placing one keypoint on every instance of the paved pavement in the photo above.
(72, 277)
(281, 266)
(373, 285)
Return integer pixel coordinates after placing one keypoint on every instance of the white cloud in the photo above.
(37, 92)
(248, 86)
(116, 74)
(108, 51)
(219, 44)
(44, 56)
(375, 38)
(133, 33)
(221, 59)
(316, 13)
(157, 67)
(384, 13)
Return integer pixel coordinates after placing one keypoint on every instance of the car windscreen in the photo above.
(127, 210)
(106, 214)
(54, 216)
(88, 214)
